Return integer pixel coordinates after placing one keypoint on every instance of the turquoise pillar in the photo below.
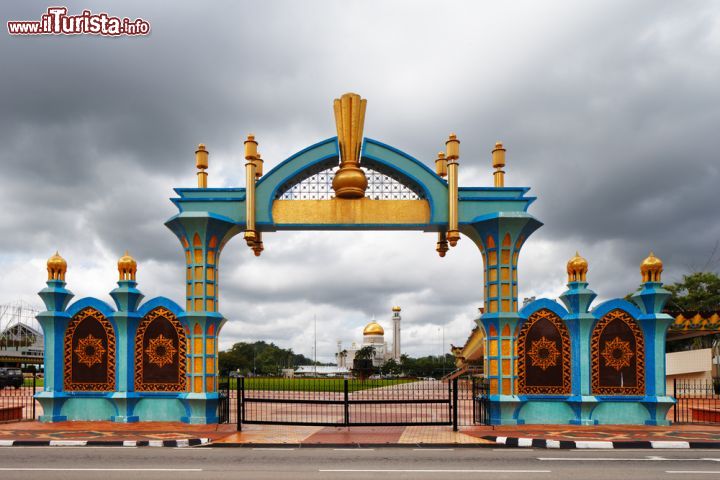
(580, 321)
(54, 321)
(127, 299)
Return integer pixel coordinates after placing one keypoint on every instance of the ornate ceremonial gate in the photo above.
(158, 362)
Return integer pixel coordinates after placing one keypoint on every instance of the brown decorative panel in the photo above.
(618, 356)
(544, 355)
(89, 354)
(160, 355)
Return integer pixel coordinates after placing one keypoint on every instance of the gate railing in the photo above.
(481, 401)
(18, 403)
(698, 401)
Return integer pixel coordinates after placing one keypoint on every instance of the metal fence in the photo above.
(698, 401)
(481, 401)
(348, 402)
(17, 404)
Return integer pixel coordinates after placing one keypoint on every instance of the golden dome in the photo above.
(396, 309)
(56, 267)
(577, 268)
(651, 268)
(127, 266)
(373, 328)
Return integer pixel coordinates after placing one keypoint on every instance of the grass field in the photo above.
(27, 382)
(316, 384)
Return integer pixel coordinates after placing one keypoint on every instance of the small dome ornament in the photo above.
(373, 328)
(577, 268)
(127, 267)
(56, 267)
(651, 268)
(396, 309)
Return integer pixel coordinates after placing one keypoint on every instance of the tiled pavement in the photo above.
(307, 436)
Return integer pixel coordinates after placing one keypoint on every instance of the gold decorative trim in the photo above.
(596, 355)
(181, 384)
(363, 211)
(563, 355)
(68, 384)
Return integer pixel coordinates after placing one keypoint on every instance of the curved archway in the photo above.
(544, 355)
(89, 352)
(160, 353)
(617, 355)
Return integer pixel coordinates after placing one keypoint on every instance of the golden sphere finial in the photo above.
(56, 267)
(577, 268)
(127, 267)
(396, 309)
(651, 268)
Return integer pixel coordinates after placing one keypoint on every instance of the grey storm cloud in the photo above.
(609, 110)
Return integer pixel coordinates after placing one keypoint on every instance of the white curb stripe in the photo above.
(129, 443)
(524, 442)
(68, 443)
(183, 443)
(501, 440)
(553, 444)
(666, 444)
(6, 443)
(593, 444)
(155, 443)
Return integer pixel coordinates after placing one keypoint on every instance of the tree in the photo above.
(365, 353)
(699, 291)
(391, 367)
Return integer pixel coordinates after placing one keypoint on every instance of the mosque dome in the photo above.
(577, 268)
(373, 328)
(651, 268)
(396, 309)
(56, 267)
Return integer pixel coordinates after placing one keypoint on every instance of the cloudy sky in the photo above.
(610, 112)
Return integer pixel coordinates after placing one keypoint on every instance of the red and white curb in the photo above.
(596, 444)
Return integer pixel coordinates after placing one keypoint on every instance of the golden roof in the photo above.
(373, 328)
(577, 268)
(651, 268)
(56, 267)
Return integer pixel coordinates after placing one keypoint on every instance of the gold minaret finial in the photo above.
(441, 165)
(651, 268)
(442, 244)
(498, 163)
(452, 149)
(127, 267)
(577, 268)
(350, 180)
(251, 163)
(201, 162)
(56, 267)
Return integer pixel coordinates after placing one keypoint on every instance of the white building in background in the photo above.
(374, 336)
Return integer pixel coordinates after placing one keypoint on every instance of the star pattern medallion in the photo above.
(160, 351)
(617, 354)
(543, 353)
(90, 351)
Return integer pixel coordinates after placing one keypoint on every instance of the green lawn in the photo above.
(28, 382)
(315, 384)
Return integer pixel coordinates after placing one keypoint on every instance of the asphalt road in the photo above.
(346, 464)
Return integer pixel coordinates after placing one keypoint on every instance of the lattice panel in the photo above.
(382, 185)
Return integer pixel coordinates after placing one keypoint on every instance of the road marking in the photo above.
(666, 444)
(693, 471)
(433, 449)
(10, 469)
(627, 459)
(353, 449)
(284, 449)
(593, 444)
(390, 470)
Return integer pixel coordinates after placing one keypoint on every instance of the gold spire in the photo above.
(56, 267)
(201, 162)
(349, 180)
(498, 161)
(651, 268)
(127, 267)
(577, 268)
(452, 149)
(373, 328)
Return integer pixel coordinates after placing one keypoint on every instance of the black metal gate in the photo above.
(698, 401)
(340, 402)
(17, 401)
(481, 401)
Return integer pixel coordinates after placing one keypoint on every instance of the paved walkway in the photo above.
(225, 435)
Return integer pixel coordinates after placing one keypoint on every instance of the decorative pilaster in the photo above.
(577, 300)
(651, 299)
(53, 321)
(127, 298)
